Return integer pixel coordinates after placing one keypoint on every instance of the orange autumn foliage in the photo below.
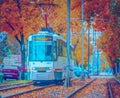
(29, 16)
(104, 21)
(110, 41)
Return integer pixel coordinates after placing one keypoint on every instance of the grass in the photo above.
(15, 81)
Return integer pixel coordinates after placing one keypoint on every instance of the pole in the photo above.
(82, 73)
(97, 62)
(67, 79)
(119, 67)
(96, 53)
(93, 51)
(88, 53)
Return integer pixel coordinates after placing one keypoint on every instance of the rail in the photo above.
(15, 86)
(27, 91)
(74, 92)
(109, 90)
(117, 80)
(6, 85)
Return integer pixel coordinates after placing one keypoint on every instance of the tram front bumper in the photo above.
(43, 76)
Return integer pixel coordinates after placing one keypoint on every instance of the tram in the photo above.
(46, 59)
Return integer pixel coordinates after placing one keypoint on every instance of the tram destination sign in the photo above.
(43, 38)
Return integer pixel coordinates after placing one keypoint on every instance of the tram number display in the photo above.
(43, 38)
(41, 68)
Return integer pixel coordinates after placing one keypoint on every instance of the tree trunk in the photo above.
(23, 60)
(22, 45)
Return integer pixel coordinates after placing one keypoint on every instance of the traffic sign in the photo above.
(1, 37)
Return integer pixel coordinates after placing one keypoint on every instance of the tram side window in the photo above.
(60, 48)
(30, 49)
(51, 51)
(54, 51)
(64, 50)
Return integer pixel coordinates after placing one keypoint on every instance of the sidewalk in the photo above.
(102, 76)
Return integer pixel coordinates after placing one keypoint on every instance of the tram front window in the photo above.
(42, 52)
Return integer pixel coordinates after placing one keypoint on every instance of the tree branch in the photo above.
(16, 36)
(19, 6)
(22, 36)
(11, 26)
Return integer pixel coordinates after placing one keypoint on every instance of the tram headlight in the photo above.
(34, 69)
(50, 68)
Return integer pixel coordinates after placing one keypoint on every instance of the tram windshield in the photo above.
(42, 51)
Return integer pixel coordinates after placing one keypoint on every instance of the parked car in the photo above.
(9, 73)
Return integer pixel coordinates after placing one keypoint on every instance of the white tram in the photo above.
(47, 56)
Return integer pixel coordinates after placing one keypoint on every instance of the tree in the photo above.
(4, 47)
(14, 47)
(105, 21)
(20, 18)
(13, 20)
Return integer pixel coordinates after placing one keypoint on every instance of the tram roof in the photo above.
(48, 31)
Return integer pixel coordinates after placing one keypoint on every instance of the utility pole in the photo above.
(89, 52)
(93, 49)
(67, 78)
(82, 73)
(97, 53)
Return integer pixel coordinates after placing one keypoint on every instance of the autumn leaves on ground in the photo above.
(28, 16)
(96, 89)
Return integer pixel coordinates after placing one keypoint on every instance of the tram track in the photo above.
(100, 90)
(117, 80)
(93, 88)
(114, 88)
(110, 93)
(55, 91)
(13, 86)
(11, 95)
(71, 95)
